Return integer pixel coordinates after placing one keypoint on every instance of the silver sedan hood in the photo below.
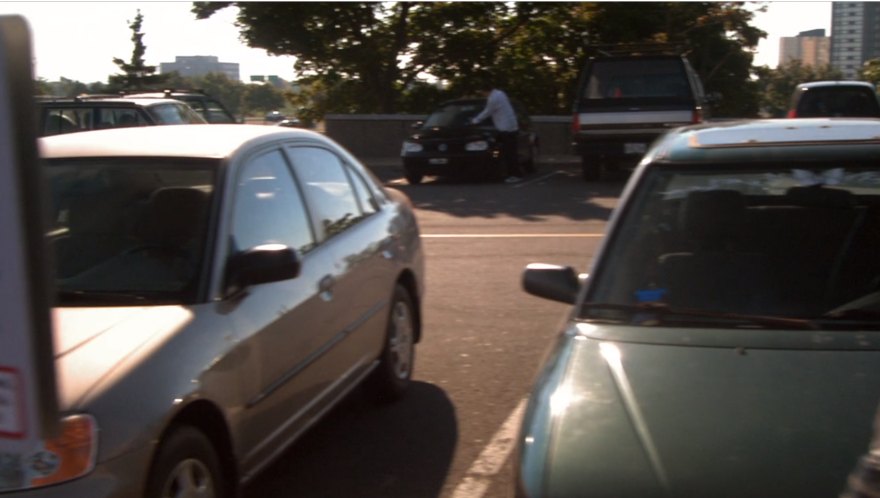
(621, 419)
(94, 346)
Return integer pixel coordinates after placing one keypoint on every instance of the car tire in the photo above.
(591, 170)
(186, 464)
(497, 171)
(392, 376)
(413, 177)
(530, 165)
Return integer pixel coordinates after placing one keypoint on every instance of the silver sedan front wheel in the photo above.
(186, 466)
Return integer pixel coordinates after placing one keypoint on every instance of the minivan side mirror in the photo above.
(262, 264)
(554, 282)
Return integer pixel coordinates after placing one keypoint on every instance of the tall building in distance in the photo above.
(855, 35)
(812, 48)
(200, 65)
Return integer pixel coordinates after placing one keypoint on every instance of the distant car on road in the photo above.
(274, 117)
(220, 288)
(67, 115)
(824, 99)
(725, 342)
(446, 144)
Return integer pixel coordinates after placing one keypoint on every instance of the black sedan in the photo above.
(446, 144)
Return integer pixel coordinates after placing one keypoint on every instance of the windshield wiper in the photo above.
(654, 312)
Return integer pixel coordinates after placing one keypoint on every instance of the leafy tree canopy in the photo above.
(391, 56)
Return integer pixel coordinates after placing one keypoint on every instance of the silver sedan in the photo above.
(220, 288)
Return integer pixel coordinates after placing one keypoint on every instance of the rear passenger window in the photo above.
(332, 200)
(61, 121)
(174, 114)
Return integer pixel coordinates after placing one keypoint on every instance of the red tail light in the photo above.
(575, 124)
(697, 117)
(791, 113)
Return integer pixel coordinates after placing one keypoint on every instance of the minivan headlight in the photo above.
(477, 146)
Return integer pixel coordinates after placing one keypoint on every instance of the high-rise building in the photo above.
(200, 65)
(812, 48)
(855, 35)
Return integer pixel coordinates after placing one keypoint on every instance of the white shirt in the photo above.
(498, 106)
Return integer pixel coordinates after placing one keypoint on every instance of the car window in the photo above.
(174, 114)
(119, 117)
(331, 198)
(130, 230)
(59, 121)
(215, 113)
(366, 200)
(268, 207)
(637, 79)
(838, 101)
(454, 115)
(775, 240)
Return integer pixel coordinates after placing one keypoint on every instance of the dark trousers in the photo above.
(508, 152)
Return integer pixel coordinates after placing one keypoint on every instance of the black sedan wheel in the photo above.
(392, 376)
(414, 178)
(186, 466)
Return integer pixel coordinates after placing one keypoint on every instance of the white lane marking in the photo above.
(508, 235)
(538, 179)
(479, 476)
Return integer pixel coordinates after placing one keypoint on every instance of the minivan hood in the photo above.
(95, 345)
(633, 419)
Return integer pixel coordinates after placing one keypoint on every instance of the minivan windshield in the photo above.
(771, 241)
(128, 231)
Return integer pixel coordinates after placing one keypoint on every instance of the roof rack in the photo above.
(647, 48)
(97, 96)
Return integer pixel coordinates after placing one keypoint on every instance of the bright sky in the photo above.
(78, 40)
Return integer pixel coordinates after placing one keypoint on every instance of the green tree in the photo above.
(135, 73)
(262, 98)
(870, 71)
(389, 56)
(777, 85)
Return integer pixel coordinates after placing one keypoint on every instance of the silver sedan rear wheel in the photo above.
(401, 340)
(392, 375)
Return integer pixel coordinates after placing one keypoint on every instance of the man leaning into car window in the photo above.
(499, 108)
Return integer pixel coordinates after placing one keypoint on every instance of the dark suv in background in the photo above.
(68, 115)
(628, 96)
(827, 99)
(210, 108)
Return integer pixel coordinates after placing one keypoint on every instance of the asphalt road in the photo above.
(483, 341)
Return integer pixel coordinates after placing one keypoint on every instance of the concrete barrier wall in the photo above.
(381, 135)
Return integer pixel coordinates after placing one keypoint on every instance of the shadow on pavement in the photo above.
(367, 449)
(557, 192)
